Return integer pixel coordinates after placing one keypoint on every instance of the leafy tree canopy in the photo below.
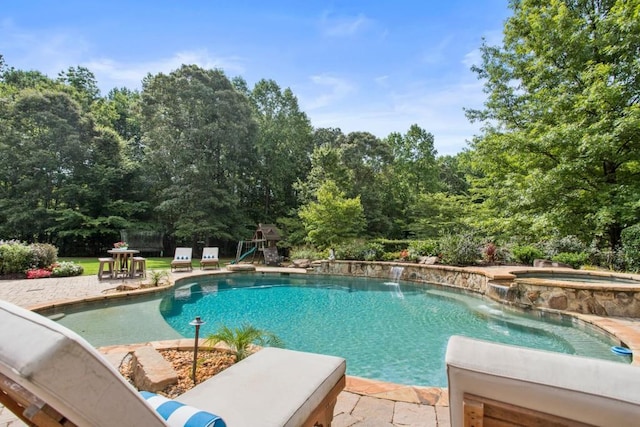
(333, 217)
(562, 120)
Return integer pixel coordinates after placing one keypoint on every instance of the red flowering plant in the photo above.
(120, 245)
(404, 255)
(38, 273)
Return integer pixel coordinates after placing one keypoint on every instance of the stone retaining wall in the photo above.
(578, 297)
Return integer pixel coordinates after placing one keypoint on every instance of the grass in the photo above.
(91, 264)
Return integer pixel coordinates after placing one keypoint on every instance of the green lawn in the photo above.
(91, 264)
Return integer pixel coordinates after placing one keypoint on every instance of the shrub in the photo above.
(459, 249)
(38, 273)
(574, 259)
(630, 238)
(15, 257)
(392, 245)
(613, 259)
(67, 269)
(568, 244)
(526, 254)
(490, 252)
(157, 277)
(359, 250)
(391, 256)
(43, 255)
(427, 247)
(305, 252)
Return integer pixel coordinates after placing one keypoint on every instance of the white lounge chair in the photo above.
(182, 259)
(492, 383)
(51, 376)
(209, 258)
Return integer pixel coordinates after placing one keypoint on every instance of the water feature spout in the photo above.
(396, 273)
(499, 292)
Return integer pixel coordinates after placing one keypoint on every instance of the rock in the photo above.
(301, 263)
(429, 260)
(125, 288)
(545, 263)
(558, 301)
(151, 371)
(241, 267)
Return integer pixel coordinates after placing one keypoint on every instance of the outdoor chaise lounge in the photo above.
(493, 384)
(51, 376)
(209, 258)
(182, 259)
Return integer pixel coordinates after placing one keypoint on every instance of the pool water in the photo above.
(386, 331)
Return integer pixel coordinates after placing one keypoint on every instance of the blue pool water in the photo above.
(386, 331)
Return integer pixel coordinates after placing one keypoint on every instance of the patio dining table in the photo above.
(123, 261)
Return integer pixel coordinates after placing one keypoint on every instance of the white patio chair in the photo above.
(182, 259)
(210, 258)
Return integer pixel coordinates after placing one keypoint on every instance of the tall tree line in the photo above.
(195, 155)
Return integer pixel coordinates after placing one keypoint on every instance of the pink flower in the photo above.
(38, 273)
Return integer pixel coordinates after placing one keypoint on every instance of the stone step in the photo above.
(151, 371)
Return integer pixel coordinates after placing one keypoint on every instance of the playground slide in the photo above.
(244, 255)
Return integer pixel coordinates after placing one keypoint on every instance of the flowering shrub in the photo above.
(38, 273)
(119, 245)
(66, 269)
(43, 255)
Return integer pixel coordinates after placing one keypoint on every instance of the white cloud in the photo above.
(333, 89)
(437, 52)
(343, 26)
(48, 51)
(382, 81)
(111, 73)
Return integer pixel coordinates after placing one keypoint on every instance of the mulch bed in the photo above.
(210, 362)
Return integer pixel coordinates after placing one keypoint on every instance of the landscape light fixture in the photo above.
(197, 322)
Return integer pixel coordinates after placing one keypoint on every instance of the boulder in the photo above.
(151, 371)
(301, 263)
(545, 263)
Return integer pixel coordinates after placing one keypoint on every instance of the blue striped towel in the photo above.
(178, 414)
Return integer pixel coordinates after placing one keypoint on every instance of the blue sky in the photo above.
(376, 66)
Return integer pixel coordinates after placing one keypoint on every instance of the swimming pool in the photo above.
(386, 331)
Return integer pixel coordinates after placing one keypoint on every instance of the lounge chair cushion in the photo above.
(592, 391)
(51, 362)
(282, 387)
(180, 415)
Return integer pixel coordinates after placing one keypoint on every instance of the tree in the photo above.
(333, 217)
(414, 159)
(561, 146)
(283, 149)
(60, 177)
(84, 85)
(198, 133)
